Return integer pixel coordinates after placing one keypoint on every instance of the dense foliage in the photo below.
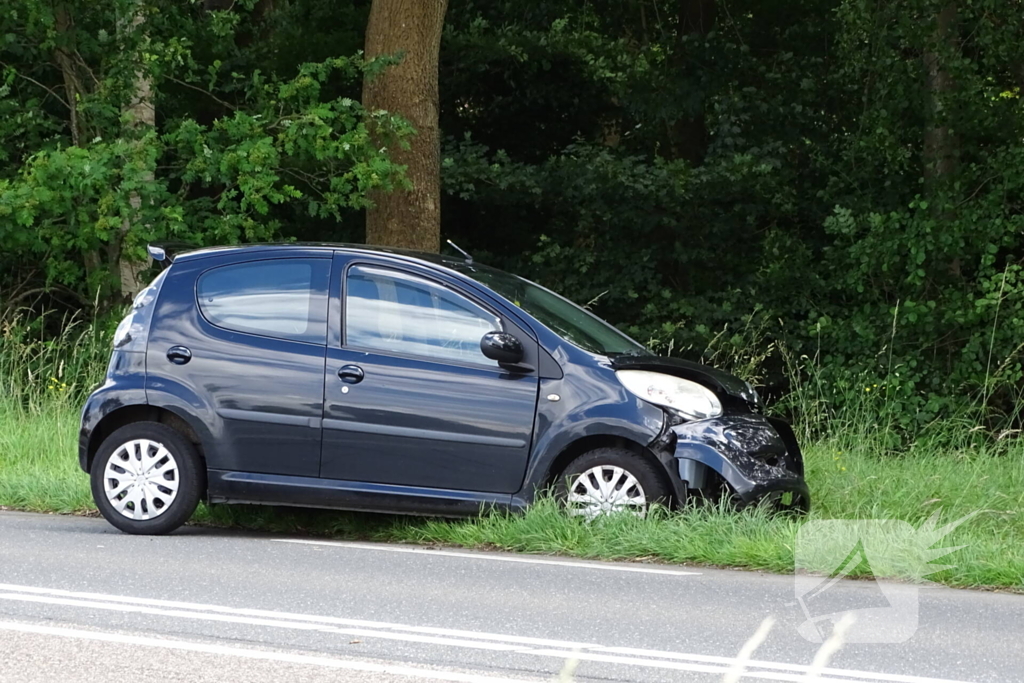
(826, 184)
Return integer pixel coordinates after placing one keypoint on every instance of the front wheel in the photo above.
(146, 479)
(610, 480)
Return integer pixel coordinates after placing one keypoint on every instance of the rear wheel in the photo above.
(610, 480)
(146, 478)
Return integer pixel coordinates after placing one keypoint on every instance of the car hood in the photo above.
(710, 377)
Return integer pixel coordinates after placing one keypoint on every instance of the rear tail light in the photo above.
(132, 332)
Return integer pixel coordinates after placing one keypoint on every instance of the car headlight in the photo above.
(689, 399)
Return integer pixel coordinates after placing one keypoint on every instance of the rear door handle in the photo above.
(179, 355)
(351, 374)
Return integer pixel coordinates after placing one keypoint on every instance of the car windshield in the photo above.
(572, 322)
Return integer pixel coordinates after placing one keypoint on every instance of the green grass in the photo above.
(857, 468)
(850, 478)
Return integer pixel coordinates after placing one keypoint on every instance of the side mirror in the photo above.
(502, 347)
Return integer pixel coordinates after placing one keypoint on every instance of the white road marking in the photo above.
(640, 569)
(289, 616)
(539, 647)
(247, 653)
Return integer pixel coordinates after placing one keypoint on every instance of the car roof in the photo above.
(451, 262)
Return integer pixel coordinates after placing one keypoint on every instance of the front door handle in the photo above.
(179, 355)
(351, 374)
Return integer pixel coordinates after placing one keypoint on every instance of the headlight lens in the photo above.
(689, 399)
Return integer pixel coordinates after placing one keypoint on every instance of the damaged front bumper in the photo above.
(758, 457)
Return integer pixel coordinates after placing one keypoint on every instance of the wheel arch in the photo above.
(593, 442)
(141, 413)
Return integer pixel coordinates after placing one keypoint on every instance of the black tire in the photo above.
(652, 481)
(190, 477)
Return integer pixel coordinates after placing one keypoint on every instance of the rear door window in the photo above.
(282, 298)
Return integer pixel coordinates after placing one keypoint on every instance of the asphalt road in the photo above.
(80, 601)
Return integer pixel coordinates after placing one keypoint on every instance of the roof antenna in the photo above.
(469, 259)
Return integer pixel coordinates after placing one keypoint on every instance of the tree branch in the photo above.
(204, 91)
(34, 81)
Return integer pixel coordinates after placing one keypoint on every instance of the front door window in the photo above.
(391, 311)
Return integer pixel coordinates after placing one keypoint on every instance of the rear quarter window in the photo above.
(281, 298)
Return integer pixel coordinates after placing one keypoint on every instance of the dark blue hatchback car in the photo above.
(371, 379)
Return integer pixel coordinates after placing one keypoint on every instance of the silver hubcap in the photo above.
(141, 479)
(606, 489)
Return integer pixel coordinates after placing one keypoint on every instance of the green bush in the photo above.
(843, 177)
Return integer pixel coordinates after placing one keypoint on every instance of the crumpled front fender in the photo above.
(758, 457)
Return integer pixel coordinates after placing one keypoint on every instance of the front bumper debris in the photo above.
(758, 458)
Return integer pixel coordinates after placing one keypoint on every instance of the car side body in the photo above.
(312, 415)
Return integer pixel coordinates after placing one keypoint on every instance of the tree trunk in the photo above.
(412, 30)
(140, 114)
(64, 55)
(689, 135)
(940, 146)
(72, 87)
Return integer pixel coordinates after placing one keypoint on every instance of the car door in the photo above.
(409, 399)
(243, 345)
